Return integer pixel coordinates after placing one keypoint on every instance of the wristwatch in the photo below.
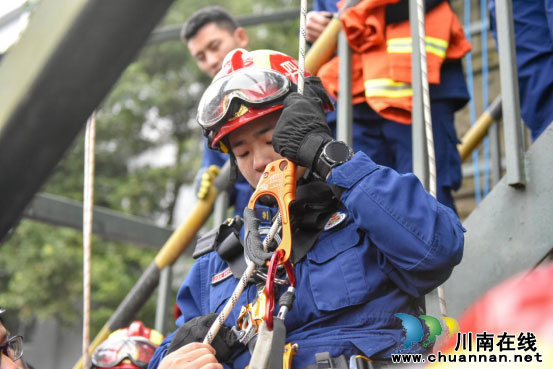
(333, 154)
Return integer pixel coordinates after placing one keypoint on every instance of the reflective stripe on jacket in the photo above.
(381, 61)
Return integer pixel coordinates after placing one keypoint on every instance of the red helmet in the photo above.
(521, 305)
(127, 348)
(249, 85)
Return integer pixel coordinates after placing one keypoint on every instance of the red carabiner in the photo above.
(270, 284)
(290, 272)
(269, 287)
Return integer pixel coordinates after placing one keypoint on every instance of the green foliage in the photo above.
(43, 274)
(150, 110)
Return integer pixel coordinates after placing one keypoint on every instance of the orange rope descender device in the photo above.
(279, 180)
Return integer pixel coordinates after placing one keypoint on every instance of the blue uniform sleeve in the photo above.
(328, 5)
(212, 157)
(161, 351)
(190, 302)
(418, 239)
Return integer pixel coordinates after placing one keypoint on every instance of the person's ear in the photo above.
(241, 37)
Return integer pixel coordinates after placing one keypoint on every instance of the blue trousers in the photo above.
(388, 143)
(533, 20)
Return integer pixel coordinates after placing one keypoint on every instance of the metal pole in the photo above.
(163, 298)
(474, 136)
(345, 110)
(220, 209)
(420, 154)
(495, 144)
(514, 138)
(495, 152)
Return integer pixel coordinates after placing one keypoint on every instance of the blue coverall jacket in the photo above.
(396, 244)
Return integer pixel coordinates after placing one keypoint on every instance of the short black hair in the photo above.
(209, 14)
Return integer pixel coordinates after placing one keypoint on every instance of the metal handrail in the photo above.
(474, 136)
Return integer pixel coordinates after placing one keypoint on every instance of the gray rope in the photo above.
(428, 125)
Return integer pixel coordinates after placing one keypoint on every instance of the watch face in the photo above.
(337, 151)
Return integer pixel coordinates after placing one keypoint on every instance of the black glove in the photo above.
(225, 342)
(313, 87)
(252, 239)
(302, 130)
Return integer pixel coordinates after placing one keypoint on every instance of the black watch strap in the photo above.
(310, 147)
(322, 168)
(333, 154)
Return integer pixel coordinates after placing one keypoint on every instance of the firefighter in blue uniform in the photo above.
(533, 22)
(367, 242)
(209, 34)
(388, 142)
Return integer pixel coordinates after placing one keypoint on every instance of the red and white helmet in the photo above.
(249, 85)
(127, 348)
(519, 307)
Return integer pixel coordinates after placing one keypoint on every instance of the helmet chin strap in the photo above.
(233, 176)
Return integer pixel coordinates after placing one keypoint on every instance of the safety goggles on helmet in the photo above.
(114, 350)
(254, 86)
(13, 348)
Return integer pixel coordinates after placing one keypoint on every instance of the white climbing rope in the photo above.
(88, 196)
(301, 61)
(250, 270)
(426, 100)
(428, 125)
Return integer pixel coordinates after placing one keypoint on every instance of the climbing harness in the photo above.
(243, 280)
(278, 180)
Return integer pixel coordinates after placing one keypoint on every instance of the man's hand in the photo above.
(194, 355)
(315, 24)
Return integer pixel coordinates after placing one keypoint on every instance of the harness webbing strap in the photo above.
(263, 346)
(279, 340)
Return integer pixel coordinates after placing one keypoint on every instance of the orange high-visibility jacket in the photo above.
(381, 58)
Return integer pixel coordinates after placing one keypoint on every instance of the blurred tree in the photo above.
(148, 147)
(42, 276)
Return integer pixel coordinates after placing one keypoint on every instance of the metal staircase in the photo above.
(510, 231)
